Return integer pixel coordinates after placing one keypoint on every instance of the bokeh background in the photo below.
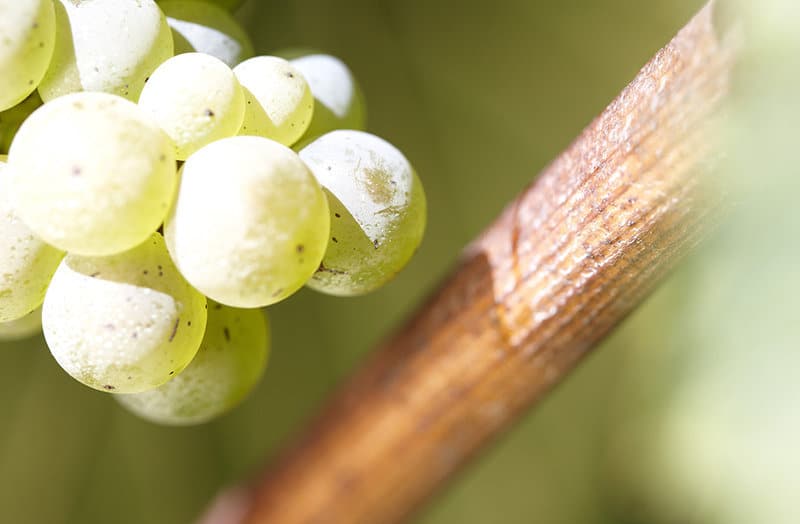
(685, 415)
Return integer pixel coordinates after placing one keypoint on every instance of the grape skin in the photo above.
(11, 119)
(22, 328)
(27, 37)
(378, 211)
(196, 99)
(280, 105)
(124, 323)
(209, 29)
(92, 174)
(338, 100)
(250, 223)
(110, 46)
(26, 263)
(231, 360)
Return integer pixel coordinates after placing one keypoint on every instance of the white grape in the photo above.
(280, 105)
(11, 119)
(27, 38)
(92, 174)
(231, 360)
(24, 327)
(26, 263)
(123, 323)
(106, 45)
(196, 99)
(378, 210)
(250, 223)
(209, 29)
(338, 100)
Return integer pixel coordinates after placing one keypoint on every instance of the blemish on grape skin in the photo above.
(300, 248)
(174, 329)
(109, 387)
(227, 334)
(209, 113)
(337, 215)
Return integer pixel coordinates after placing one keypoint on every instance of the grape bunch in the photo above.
(162, 186)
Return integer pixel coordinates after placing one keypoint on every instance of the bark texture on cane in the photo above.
(566, 262)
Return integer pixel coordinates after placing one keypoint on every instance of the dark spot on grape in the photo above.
(41, 44)
(323, 269)
(334, 239)
(171, 373)
(289, 74)
(375, 243)
(217, 306)
(337, 215)
(226, 333)
(134, 335)
(95, 274)
(277, 293)
(145, 272)
(300, 248)
(109, 387)
(76, 171)
(30, 82)
(36, 25)
(174, 329)
(189, 323)
(209, 113)
(146, 79)
(162, 157)
(130, 377)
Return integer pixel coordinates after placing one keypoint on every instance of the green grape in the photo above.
(231, 360)
(181, 45)
(209, 29)
(338, 100)
(250, 223)
(280, 105)
(26, 263)
(92, 174)
(11, 119)
(378, 210)
(106, 45)
(21, 328)
(124, 323)
(27, 38)
(196, 99)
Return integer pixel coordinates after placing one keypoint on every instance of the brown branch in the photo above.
(565, 263)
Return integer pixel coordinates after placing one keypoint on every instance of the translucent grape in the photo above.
(92, 173)
(231, 360)
(24, 327)
(11, 119)
(106, 45)
(209, 29)
(378, 210)
(279, 101)
(26, 263)
(124, 323)
(196, 99)
(338, 100)
(250, 223)
(27, 38)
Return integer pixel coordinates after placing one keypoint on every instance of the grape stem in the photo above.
(556, 272)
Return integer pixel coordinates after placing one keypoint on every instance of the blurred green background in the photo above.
(480, 96)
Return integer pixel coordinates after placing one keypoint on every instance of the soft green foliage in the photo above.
(208, 29)
(250, 223)
(378, 210)
(27, 38)
(124, 323)
(92, 174)
(229, 363)
(196, 99)
(110, 46)
(279, 101)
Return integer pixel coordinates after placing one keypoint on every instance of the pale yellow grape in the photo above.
(124, 323)
(26, 263)
(25, 327)
(106, 45)
(338, 100)
(27, 38)
(11, 119)
(209, 29)
(196, 99)
(378, 210)
(250, 223)
(231, 360)
(92, 174)
(279, 101)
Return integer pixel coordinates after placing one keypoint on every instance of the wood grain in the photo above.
(564, 264)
